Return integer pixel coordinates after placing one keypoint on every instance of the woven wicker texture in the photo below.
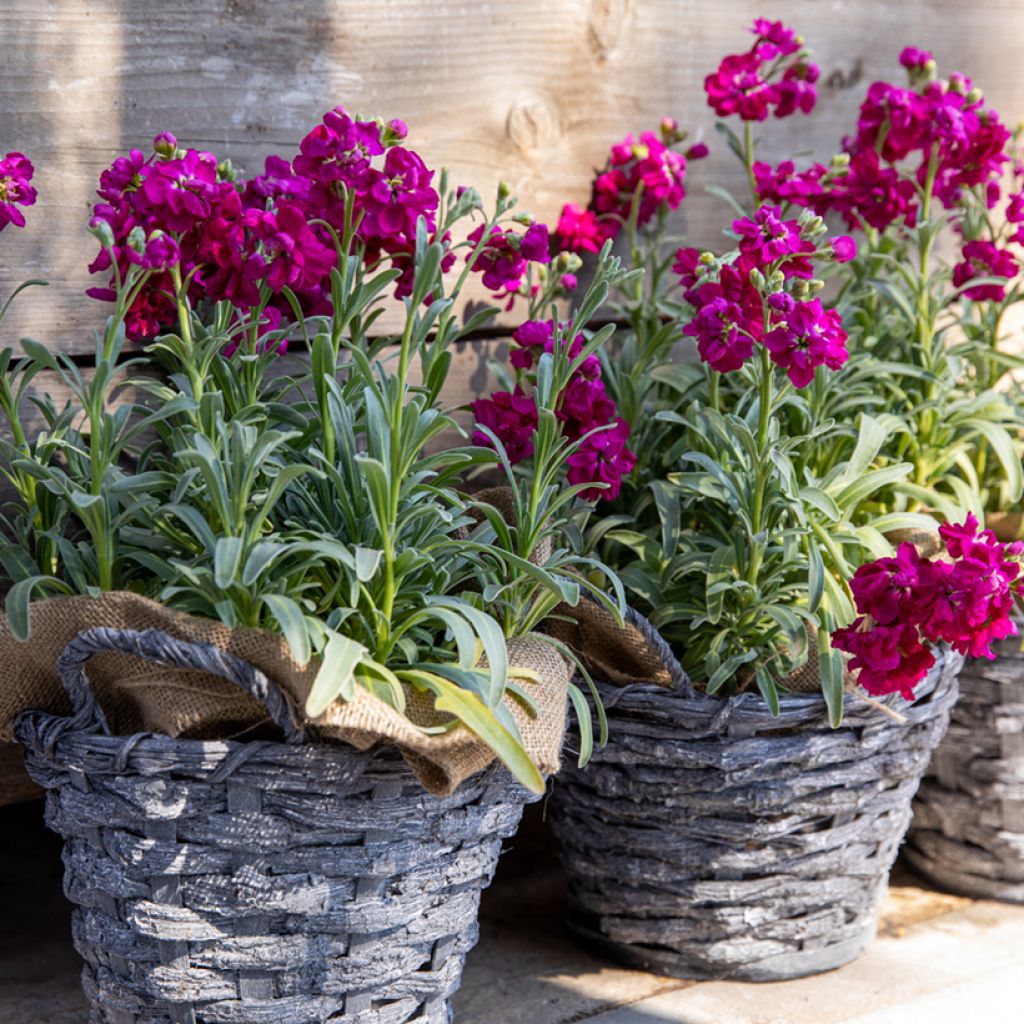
(260, 882)
(184, 702)
(711, 840)
(968, 829)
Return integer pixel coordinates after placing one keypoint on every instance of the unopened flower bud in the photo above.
(757, 279)
(777, 281)
(844, 248)
(226, 171)
(957, 83)
(103, 232)
(526, 219)
(974, 96)
(137, 240)
(707, 258)
(395, 131)
(841, 161)
(814, 285)
(640, 152)
(567, 262)
(800, 289)
(504, 190)
(165, 145)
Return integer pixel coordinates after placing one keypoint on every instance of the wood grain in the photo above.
(531, 92)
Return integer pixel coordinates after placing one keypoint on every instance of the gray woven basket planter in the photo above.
(259, 882)
(968, 829)
(711, 840)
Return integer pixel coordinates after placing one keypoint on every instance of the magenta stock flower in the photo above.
(231, 240)
(873, 194)
(797, 90)
(907, 602)
(774, 39)
(512, 417)
(602, 458)
(738, 88)
(648, 167)
(582, 230)
(844, 248)
(16, 172)
(297, 258)
(504, 259)
(585, 412)
(585, 406)
(809, 336)
(278, 181)
(767, 239)
(760, 82)
(689, 268)
(399, 196)
(887, 659)
(160, 252)
(983, 259)
(339, 149)
(914, 59)
(784, 184)
(729, 319)
(647, 164)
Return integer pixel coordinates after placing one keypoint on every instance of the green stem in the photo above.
(713, 380)
(748, 158)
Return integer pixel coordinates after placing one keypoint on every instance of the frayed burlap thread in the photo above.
(967, 834)
(709, 839)
(264, 882)
(183, 702)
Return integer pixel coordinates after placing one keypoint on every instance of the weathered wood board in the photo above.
(532, 92)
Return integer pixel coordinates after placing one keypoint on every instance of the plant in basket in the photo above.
(931, 178)
(741, 821)
(293, 540)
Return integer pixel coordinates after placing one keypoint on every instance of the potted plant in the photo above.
(741, 822)
(941, 167)
(262, 547)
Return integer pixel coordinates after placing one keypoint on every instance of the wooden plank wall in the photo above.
(531, 91)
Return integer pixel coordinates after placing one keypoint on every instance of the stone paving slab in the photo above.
(960, 967)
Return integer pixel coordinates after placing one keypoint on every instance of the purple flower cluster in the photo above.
(734, 312)
(585, 411)
(906, 603)
(982, 258)
(773, 76)
(906, 136)
(16, 172)
(649, 168)
(246, 242)
(505, 256)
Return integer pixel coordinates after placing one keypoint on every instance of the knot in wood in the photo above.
(534, 122)
(609, 20)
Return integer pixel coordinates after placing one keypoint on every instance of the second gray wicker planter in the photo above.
(968, 829)
(259, 882)
(711, 840)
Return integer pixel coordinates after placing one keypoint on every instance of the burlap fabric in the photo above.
(1007, 526)
(624, 654)
(183, 703)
